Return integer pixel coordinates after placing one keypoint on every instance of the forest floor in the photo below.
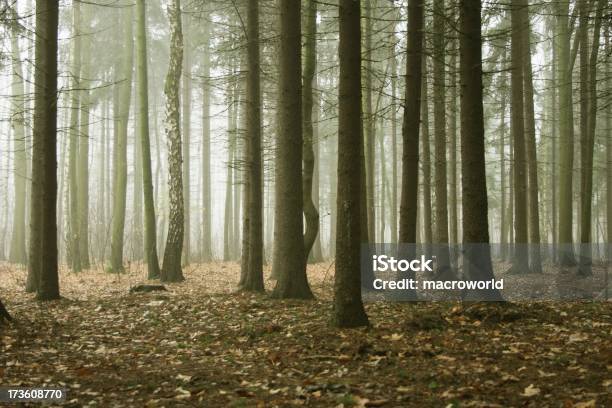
(200, 344)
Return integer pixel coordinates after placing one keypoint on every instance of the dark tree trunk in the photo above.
(475, 206)
(43, 233)
(252, 249)
(288, 238)
(348, 306)
(411, 125)
(311, 214)
(520, 261)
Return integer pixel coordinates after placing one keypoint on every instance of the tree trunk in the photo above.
(171, 269)
(348, 310)
(206, 179)
(566, 136)
(228, 230)
(444, 270)
(393, 205)
(73, 226)
(535, 262)
(43, 228)
(520, 262)
(17, 253)
(288, 239)
(252, 249)
(427, 228)
(150, 234)
(411, 124)
(475, 206)
(369, 125)
(186, 143)
(120, 151)
(83, 151)
(589, 103)
(311, 214)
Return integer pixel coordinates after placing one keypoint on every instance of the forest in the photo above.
(192, 194)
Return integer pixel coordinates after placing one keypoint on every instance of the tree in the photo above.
(439, 77)
(171, 269)
(150, 249)
(206, 189)
(474, 186)
(122, 113)
(186, 140)
(348, 307)
(588, 119)
(252, 262)
(311, 214)
(566, 135)
(74, 230)
(535, 262)
(520, 261)
(411, 125)
(43, 228)
(288, 225)
(83, 150)
(18, 252)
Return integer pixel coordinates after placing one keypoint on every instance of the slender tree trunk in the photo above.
(206, 157)
(186, 144)
(369, 125)
(439, 88)
(411, 124)
(588, 103)
(17, 253)
(43, 229)
(228, 230)
(120, 150)
(73, 225)
(520, 262)
(475, 205)
(150, 234)
(452, 152)
(566, 136)
(535, 261)
(311, 214)
(83, 152)
(348, 310)
(252, 248)
(171, 269)
(393, 205)
(503, 225)
(317, 252)
(427, 227)
(288, 239)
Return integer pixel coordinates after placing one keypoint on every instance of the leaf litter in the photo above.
(202, 344)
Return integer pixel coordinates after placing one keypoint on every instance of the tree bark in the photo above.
(43, 232)
(311, 214)
(150, 233)
(348, 310)
(252, 266)
(520, 262)
(17, 253)
(122, 109)
(206, 179)
(444, 270)
(171, 269)
(566, 136)
(474, 186)
(411, 124)
(288, 239)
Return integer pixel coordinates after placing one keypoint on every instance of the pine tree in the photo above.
(348, 307)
